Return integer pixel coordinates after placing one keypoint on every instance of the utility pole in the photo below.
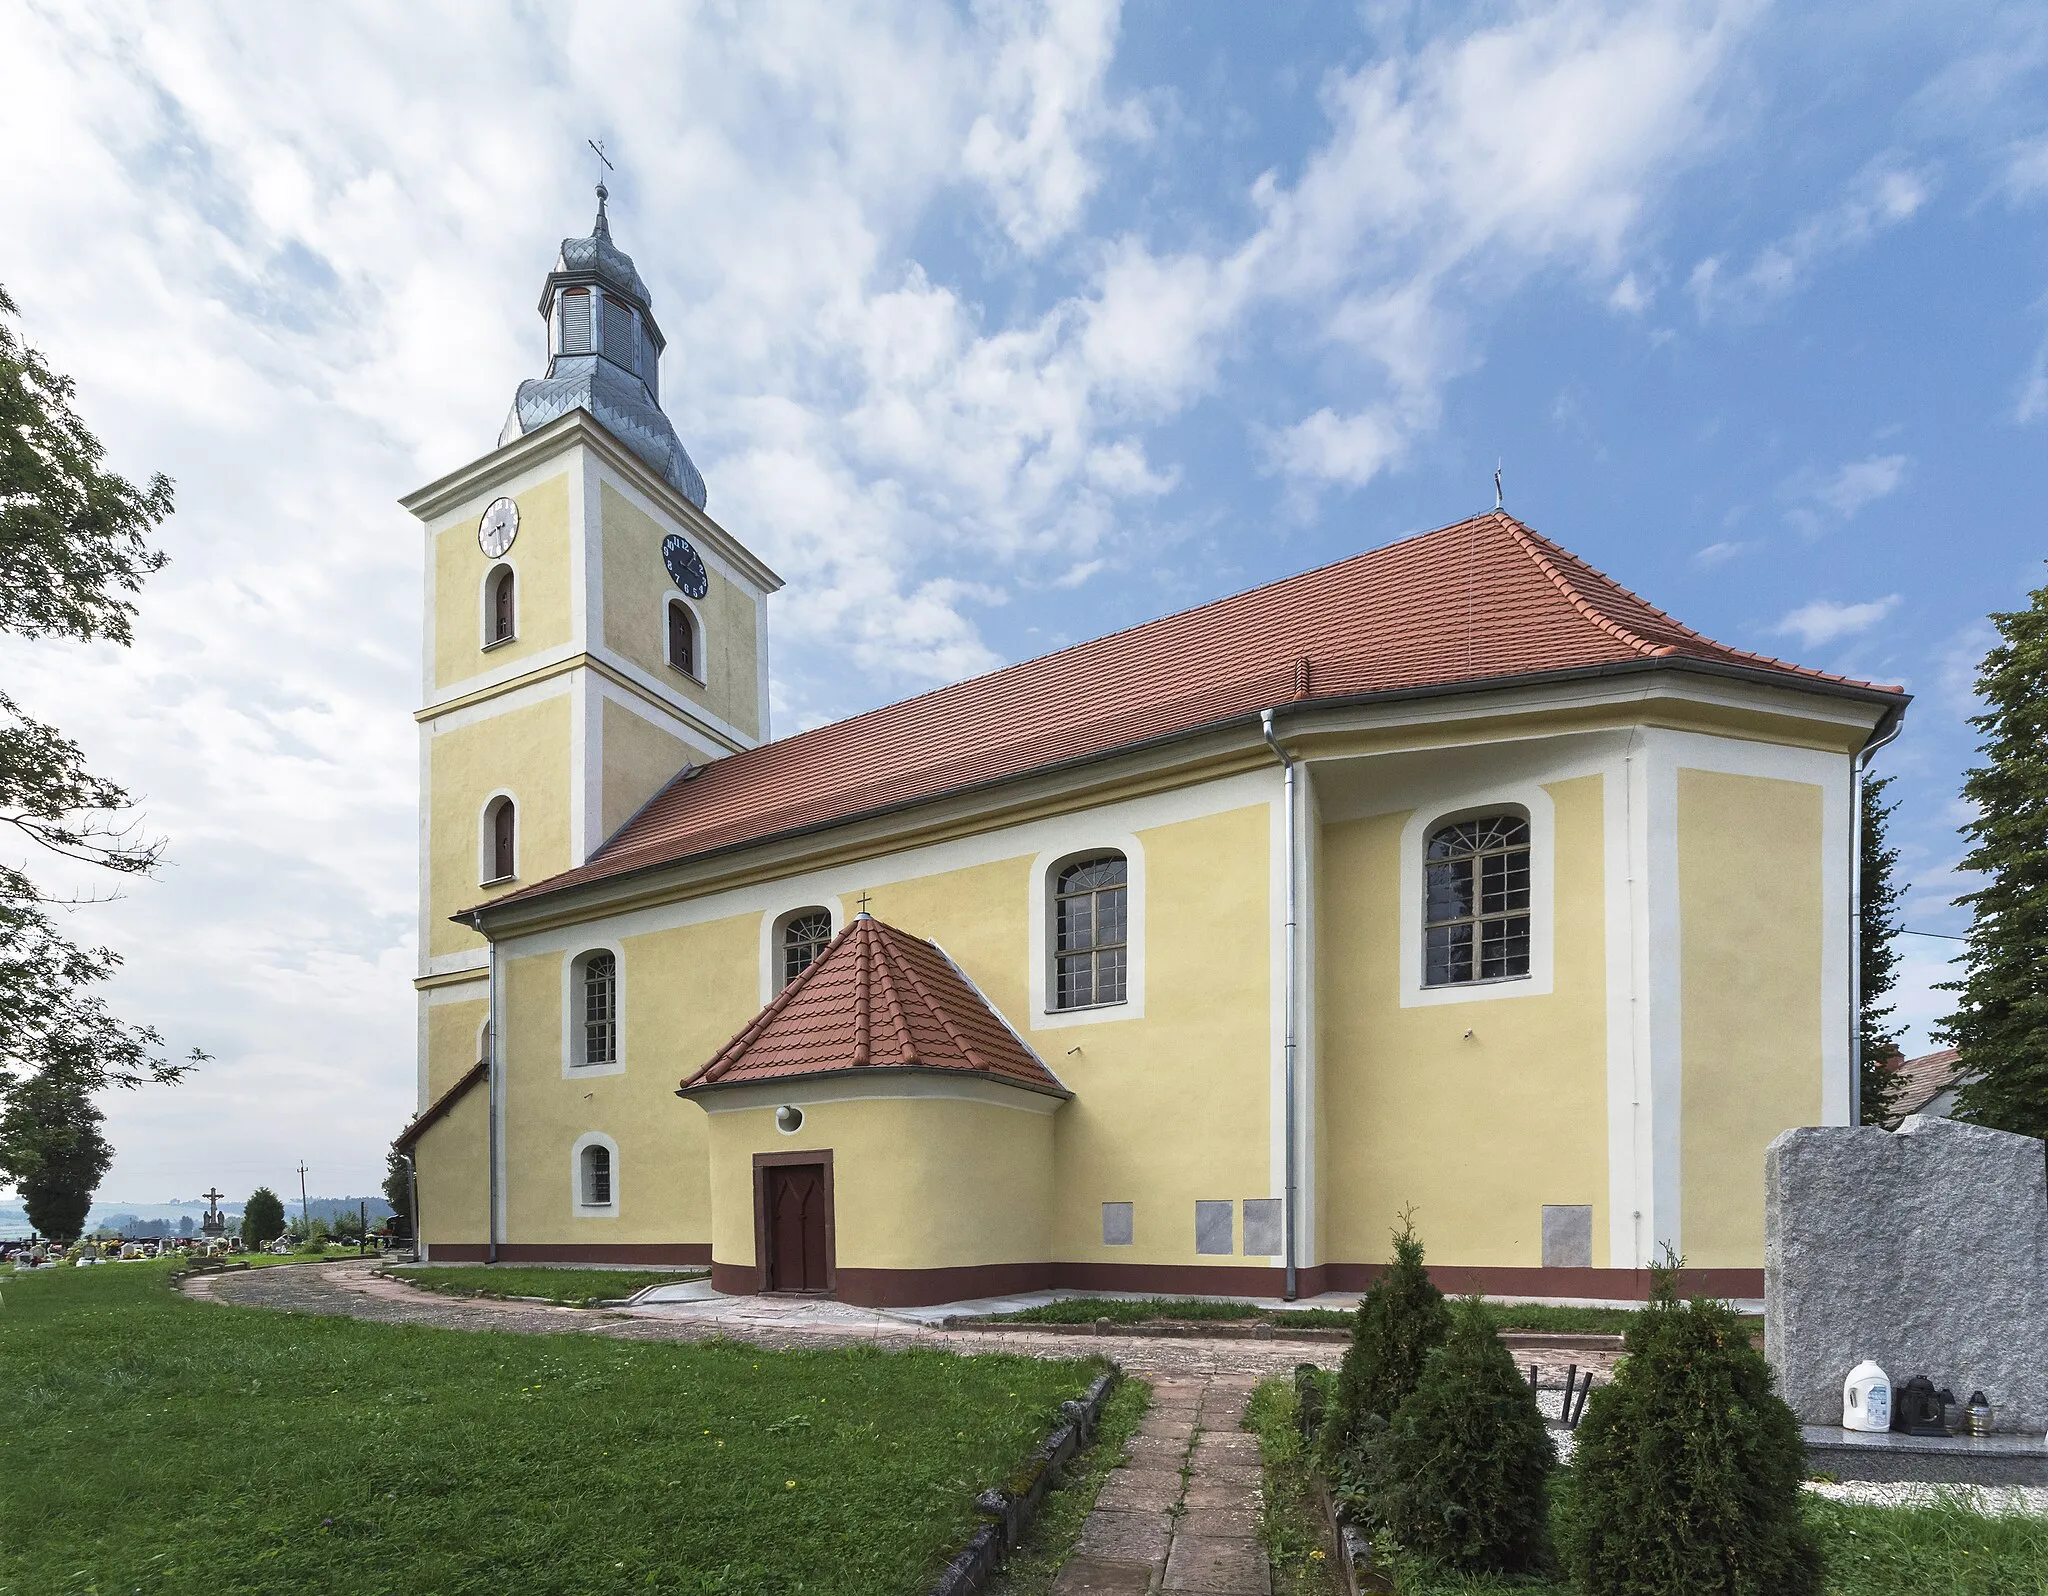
(305, 1212)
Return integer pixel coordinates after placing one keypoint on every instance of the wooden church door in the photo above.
(797, 1210)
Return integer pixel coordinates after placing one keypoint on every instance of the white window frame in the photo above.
(1532, 801)
(1045, 871)
(771, 938)
(486, 850)
(701, 674)
(577, 1206)
(485, 641)
(572, 1013)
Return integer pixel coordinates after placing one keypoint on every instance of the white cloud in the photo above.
(2032, 403)
(1882, 197)
(2026, 171)
(1824, 621)
(1862, 482)
(1822, 499)
(1045, 104)
(1721, 553)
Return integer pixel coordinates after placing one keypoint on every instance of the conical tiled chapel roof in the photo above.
(1484, 602)
(877, 999)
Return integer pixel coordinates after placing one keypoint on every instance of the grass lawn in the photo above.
(576, 1287)
(1868, 1551)
(1085, 1310)
(157, 1445)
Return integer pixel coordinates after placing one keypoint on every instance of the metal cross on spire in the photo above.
(597, 149)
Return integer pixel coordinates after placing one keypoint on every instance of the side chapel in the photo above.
(1451, 876)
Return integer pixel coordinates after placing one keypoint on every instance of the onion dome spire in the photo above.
(604, 356)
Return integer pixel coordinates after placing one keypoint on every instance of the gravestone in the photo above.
(1924, 1248)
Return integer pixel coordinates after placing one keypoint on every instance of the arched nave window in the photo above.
(1476, 901)
(805, 933)
(1091, 932)
(600, 992)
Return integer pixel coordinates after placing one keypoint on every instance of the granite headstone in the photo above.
(1924, 1248)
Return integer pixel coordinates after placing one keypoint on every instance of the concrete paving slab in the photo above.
(1136, 1490)
(1126, 1537)
(1097, 1576)
(1204, 1495)
(1245, 1474)
(1221, 1523)
(1218, 1567)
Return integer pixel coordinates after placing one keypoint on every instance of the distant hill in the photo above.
(144, 1218)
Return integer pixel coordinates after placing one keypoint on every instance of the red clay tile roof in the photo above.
(877, 998)
(1483, 600)
(1925, 1078)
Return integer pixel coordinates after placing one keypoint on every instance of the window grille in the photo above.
(575, 321)
(600, 1009)
(804, 937)
(503, 835)
(682, 641)
(1091, 936)
(597, 1177)
(501, 606)
(618, 334)
(1476, 908)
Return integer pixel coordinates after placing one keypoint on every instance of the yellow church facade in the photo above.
(1452, 878)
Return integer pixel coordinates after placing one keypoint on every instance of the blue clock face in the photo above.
(685, 565)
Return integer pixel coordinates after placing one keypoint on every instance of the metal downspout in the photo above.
(1287, 766)
(495, 1081)
(1857, 773)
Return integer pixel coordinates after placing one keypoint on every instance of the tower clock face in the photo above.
(499, 527)
(685, 565)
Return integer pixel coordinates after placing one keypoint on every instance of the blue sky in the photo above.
(991, 328)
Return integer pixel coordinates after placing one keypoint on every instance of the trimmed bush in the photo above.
(1399, 1322)
(1464, 1465)
(1687, 1476)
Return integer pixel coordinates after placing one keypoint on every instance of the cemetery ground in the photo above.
(150, 1443)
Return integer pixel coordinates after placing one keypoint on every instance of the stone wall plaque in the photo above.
(1925, 1248)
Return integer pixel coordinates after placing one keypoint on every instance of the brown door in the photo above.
(796, 1226)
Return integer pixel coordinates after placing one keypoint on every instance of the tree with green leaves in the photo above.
(262, 1218)
(398, 1191)
(1878, 955)
(1401, 1319)
(1686, 1479)
(2000, 1023)
(74, 545)
(56, 1154)
(1463, 1467)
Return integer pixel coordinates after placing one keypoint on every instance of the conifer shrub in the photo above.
(1399, 1322)
(1686, 1480)
(1462, 1470)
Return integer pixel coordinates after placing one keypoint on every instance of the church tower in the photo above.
(589, 631)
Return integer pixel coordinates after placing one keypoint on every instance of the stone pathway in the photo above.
(1183, 1513)
(350, 1288)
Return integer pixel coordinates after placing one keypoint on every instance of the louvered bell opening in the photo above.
(618, 335)
(575, 321)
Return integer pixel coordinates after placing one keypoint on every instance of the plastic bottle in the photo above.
(1867, 1398)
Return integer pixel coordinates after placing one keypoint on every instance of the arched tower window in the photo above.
(1476, 901)
(600, 995)
(1091, 932)
(575, 321)
(682, 637)
(597, 1176)
(500, 611)
(805, 935)
(503, 821)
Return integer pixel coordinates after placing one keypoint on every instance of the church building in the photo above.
(1453, 877)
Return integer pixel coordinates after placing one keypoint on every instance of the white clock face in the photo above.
(500, 526)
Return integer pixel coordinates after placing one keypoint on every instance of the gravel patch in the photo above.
(1993, 1501)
